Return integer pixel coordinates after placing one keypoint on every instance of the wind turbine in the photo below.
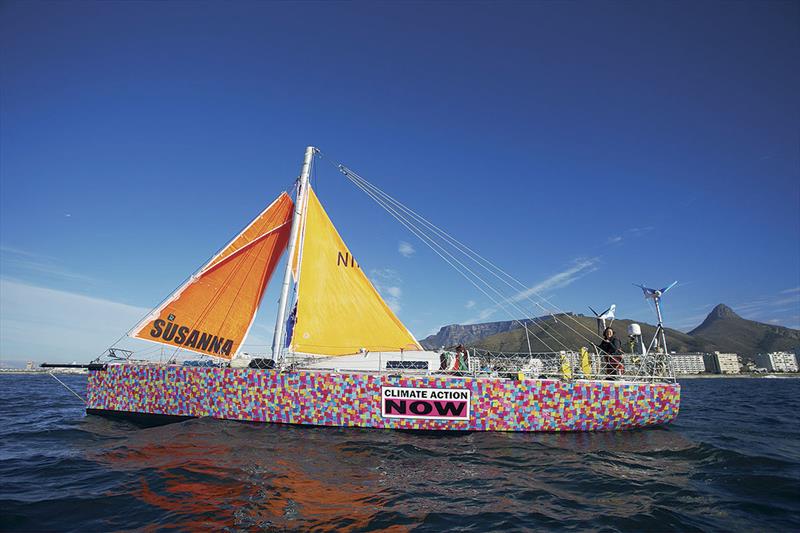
(608, 314)
(655, 295)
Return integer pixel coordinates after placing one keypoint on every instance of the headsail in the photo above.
(338, 310)
(213, 311)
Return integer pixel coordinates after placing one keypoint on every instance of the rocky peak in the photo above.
(722, 311)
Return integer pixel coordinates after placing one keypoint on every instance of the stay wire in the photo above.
(288, 189)
(460, 248)
(436, 247)
(477, 258)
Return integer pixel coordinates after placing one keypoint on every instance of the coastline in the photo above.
(781, 375)
(24, 371)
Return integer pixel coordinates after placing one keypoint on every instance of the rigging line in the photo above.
(472, 255)
(439, 250)
(207, 309)
(149, 351)
(420, 233)
(423, 236)
(68, 388)
(434, 245)
(461, 246)
(146, 350)
(182, 283)
(487, 284)
(262, 289)
(476, 257)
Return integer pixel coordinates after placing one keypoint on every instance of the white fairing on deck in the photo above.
(374, 361)
(240, 362)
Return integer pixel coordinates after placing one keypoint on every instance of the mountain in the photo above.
(455, 334)
(729, 332)
(561, 332)
(722, 330)
(569, 329)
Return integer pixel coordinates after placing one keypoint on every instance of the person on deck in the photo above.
(461, 358)
(611, 348)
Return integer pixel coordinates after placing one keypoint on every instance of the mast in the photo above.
(657, 301)
(277, 340)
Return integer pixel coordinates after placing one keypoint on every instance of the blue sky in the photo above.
(582, 146)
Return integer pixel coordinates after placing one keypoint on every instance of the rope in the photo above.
(466, 250)
(363, 184)
(288, 189)
(474, 256)
(207, 309)
(68, 388)
(436, 247)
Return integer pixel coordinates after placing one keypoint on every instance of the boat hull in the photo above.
(372, 400)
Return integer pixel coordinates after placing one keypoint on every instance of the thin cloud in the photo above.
(579, 269)
(687, 323)
(394, 304)
(433, 331)
(470, 304)
(394, 292)
(405, 249)
(615, 239)
(388, 275)
(482, 316)
(29, 264)
(386, 282)
(638, 232)
(54, 325)
(771, 309)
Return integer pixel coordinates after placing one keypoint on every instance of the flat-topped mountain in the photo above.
(455, 334)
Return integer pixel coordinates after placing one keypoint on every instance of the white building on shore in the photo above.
(777, 361)
(722, 363)
(688, 363)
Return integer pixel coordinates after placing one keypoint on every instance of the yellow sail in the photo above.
(339, 312)
(212, 313)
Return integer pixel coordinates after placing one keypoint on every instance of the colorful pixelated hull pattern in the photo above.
(353, 399)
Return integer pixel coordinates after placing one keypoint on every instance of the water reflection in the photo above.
(210, 473)
(720, 466)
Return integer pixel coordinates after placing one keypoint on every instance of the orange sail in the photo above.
(212, 312)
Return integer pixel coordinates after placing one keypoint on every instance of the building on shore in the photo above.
(688, 363)
(722, 363)
(778, 361)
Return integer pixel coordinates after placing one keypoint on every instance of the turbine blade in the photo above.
(609, 313)
(668, 287)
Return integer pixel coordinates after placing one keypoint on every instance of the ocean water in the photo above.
(731, 461)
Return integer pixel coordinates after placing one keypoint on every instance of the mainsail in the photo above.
(213, 311)
(339, 312)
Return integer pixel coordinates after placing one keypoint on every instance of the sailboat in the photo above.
(340, 355)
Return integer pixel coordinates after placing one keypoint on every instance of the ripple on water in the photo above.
(721, 466)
